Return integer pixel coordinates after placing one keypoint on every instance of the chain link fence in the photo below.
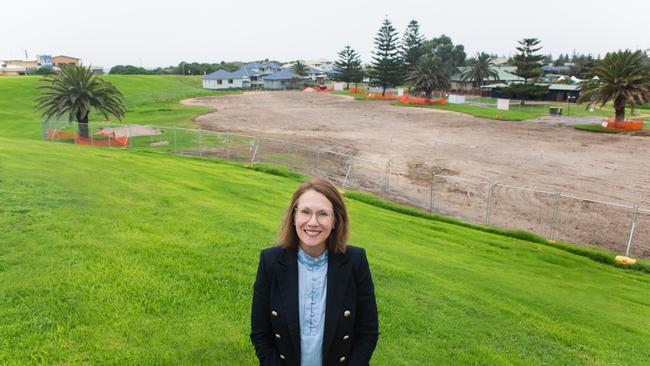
(621, 228)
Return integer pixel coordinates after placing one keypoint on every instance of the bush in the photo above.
(522, 91)
(129, 70)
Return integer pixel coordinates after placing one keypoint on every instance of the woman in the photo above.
(314, 300)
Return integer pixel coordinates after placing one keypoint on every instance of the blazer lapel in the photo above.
(338, 278)
(287, 276)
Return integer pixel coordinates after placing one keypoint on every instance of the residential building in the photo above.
(11, 70)
(285, 79)
(23, 67)
(257, 75)
(65, 60)
(322, 64)
(249, 76)
(505, 76)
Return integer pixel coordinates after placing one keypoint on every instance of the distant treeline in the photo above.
(183, 68)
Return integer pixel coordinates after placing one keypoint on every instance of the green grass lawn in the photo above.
(151, 259)
(149, 100)
(483, 112)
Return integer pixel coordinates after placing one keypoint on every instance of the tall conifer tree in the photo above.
(386, 67)
(412, 49)
(529, 64)
(349, 66)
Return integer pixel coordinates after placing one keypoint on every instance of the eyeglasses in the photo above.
(322, 216)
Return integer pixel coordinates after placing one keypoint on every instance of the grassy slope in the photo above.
(152, 258)
(149, 99)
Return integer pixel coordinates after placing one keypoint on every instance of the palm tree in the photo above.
(300, 70)
(479, 69)
(622, 77)
(75, 91)
(430, 73)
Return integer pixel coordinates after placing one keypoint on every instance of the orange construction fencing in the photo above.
(623, 125)
(412, 100)
(355, 90)
(387, 96)
(111, 141)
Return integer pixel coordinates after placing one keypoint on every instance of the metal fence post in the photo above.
(128, 137)
(200, 142)
(635, 213)
(227, 142)
(555, 208)
(489, 203)
(174, 137)
(387, 179)
(431, 193)
(347, 174)
(257, 145)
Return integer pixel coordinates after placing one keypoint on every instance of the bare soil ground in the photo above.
(417, 141)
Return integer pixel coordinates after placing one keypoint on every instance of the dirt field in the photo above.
(611, 168)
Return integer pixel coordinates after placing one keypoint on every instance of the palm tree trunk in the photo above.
(619, 108)
(82, 123)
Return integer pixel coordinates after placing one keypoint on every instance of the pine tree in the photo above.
(529, 65)
(386, 68)
(349, 66)
(412, 49)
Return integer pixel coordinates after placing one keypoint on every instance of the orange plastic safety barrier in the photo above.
(623, 125)
(63, 135)
(387, 96)
(355, 90)
(411, 100)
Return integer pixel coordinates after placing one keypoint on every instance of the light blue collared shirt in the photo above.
(312, 291)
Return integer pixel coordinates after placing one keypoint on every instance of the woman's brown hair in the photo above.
(336, 242)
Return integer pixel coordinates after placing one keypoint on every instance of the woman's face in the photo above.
(314, 220)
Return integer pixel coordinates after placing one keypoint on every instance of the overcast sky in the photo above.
(159, 33)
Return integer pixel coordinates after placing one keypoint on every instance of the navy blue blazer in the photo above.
(351, 324)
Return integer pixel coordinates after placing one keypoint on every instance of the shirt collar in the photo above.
(310, 261)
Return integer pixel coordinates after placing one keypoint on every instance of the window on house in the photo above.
(229, 81)
(219, 82)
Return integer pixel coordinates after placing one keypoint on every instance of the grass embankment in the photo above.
(151, 261)
(149, 100)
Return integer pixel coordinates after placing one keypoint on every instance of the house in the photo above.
(12, 70)
(322, 64)
(316, 75)
(249, 76)
(563, 92)
(65, 60)
(505, 74)
(285, 79)
(23, 67)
